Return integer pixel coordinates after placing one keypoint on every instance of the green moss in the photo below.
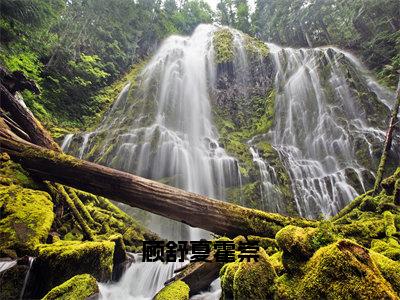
(79, 287)
(276, 261)
(389, 247)
(397, 192)
(13, 173)
(299, 244)
(56, 263)
(223, 46)
(248, 194)
(296, 241)
(227, 274)
(112, 219)
(82, 208)
(235, 130)
(26, 218)
(178, 290)
(390, 269)
(70, 204)
(255, 48)
(269, 245)
(343, 270)
(390, 227)
(254, 280)
(286, 287)
(325, 234)
(88, 120)
(389, 183)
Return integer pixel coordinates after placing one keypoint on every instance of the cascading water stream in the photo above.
(270, 195)
(169, 136)
(179, 146)
(7, 264)
(30, 262)
(141, 281)
(317, 121)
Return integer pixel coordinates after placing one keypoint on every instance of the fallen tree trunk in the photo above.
(195, 210)
(25, 119)
(198, 275)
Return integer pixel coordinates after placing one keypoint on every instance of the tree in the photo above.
(242, 15)
(225, 13)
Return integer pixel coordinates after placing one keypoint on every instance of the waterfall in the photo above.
(270, 195)
(160, 127)
(30, 262)
(169, 136)
(7, 264)
(67, 142)
(141, 281)
(317, 123)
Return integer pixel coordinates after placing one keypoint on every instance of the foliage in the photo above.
(73, 49)
(369, 27)
(234, 13)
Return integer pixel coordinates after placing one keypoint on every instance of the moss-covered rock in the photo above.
(60, 261)
(296, 241)
(255, 48)
(342, 270)
(388, 184)
(178, 290)
(269, 245)
(227, 274)
(277, 262)
(79, 287)
(223, 46)
(26, 218)
(254, 280)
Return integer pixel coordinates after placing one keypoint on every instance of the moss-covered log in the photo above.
(193, 209)
(87, 233)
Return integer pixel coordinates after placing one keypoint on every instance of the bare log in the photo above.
(388, 141)
(195, 210)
